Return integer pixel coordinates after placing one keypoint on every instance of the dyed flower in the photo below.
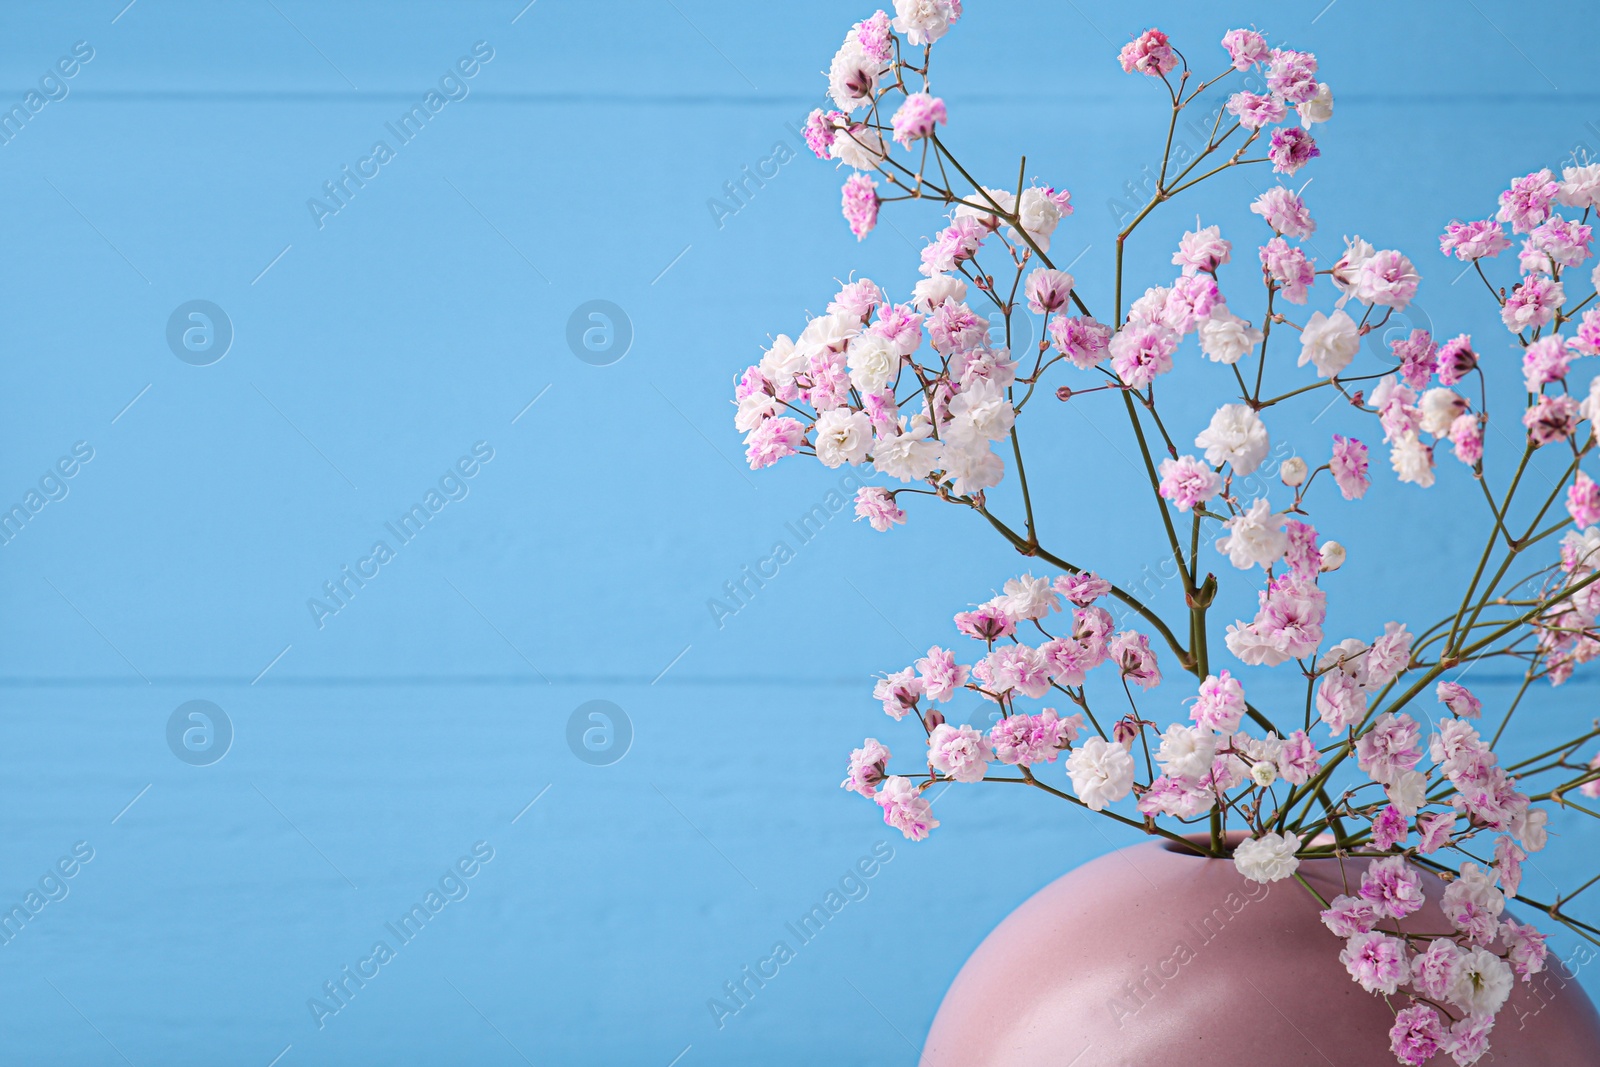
(1468, 241)
(906, 809)
(1552, 418)
(1291, 149)
(1292, 75)
(1082, 340)
(1527, 203)
(1202, 250)
(1140, 353)
(1459, 699)
(1289, 269)
(860, 204)
(1455, 360)
(916, 118)
(866, 768)
(1532, 303)
(1048, 290)
(959, 752)
(1285, 212)
(1393, 887)
(1347, 916)
(1033, 739)
(1349, 467)
(1416, 1035)
(877, 506)
(1187, 482)
(1149, 53)
(1245, 48)
(1583, 501)
(1376, 961)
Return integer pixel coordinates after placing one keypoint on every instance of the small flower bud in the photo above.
(1332, 556)
(934, 718)
(1293, 471)
(1264, 773)
(1063, 393)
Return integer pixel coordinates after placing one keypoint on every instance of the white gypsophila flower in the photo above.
(1225, 337)
(1329, 342)
(1319, 108)
(780, 363)
(1333, 555)
(1186, 751)
(872, 361)
(1483, 982)
(931, 293)
(1268, 858)
(1292, 472)
(1580, 186)
(859, 147)
(925, 21)
(852, 76)
(980, 410)
(1408, 792)
(1101, 772)
(1236, 435)
(910, 456)
(1412, 460)
(971, 466)
(1027, 597)
(1264, 773)
(1255, 538)
(1439, 409)
(843, 436)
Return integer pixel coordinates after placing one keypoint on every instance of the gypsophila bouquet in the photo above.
(923, 392)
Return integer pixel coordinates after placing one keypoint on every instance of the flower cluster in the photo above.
(927, 388)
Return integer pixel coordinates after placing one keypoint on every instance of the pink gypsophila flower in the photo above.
(1376, 961)
(1292, 75)
(1459, 699)
(1389, 828)
(1131, 652)
(1553, 418)
(1082, 589)
(1289, 269)
(1392, 886)
(1468, 241)
(874, 37)
(1298, 763)
(1416, 1035)
(906, 809)
(1149, 53)
(1527, 203)
(1081, 339)
(1389, 748)
(917, 117)
(774, 439)
(1349, 467)
(1254, 110)
(899, 693)
(940, 674)
(1245, 48)
(866, 768)
(1285, 212)
(1221, 703)
(1545, 361)
(1455, 360)
(1532, 303)
(1188, 482)
(1583, 501)
(877, 506)
(1033, 739)
(1139, 354)
(1347, 916)
(1291, 149)
(959, 752)
(1418, 357)
(821, 128)
(1202, 250)
(860, 203)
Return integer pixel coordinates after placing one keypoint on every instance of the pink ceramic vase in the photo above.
(1155, 956)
